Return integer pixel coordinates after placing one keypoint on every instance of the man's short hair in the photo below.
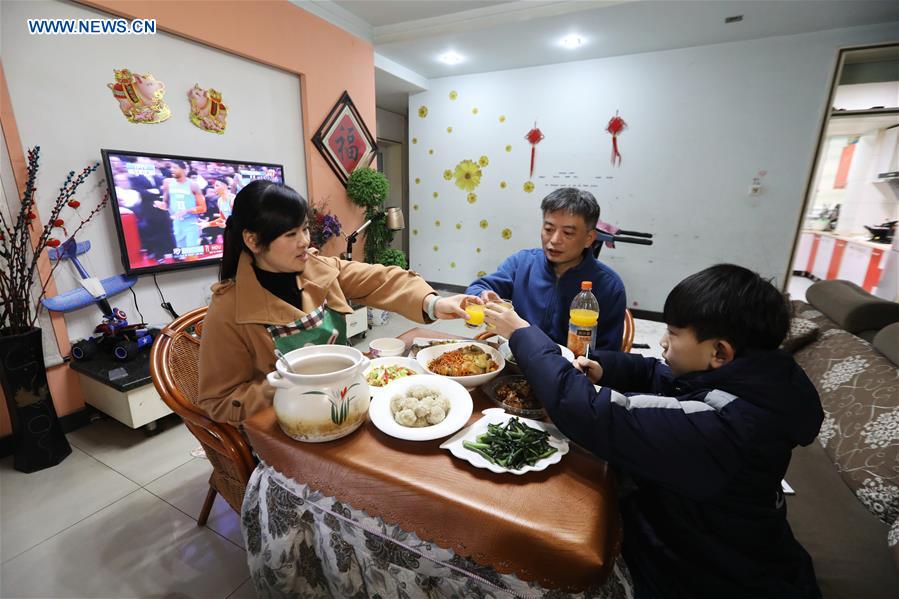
(180, 164)
(730, 302)
(574, 201)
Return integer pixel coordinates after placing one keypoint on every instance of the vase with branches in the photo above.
(24, 278)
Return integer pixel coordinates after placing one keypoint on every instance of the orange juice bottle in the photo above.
(584, 316)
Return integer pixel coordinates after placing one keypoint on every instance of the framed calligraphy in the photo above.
(344, 140)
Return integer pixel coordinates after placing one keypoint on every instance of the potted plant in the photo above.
(323, 225)
(368, 188)
(38, 437)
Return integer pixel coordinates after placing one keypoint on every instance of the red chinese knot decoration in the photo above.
(534, 137)
(615, 127)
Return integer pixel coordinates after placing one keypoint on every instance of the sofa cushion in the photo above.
(887, 342)
(851, 307)
(845, 541)
(806, 311)
(802, 332)
(859, 391)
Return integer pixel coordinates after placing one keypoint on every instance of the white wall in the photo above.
(703, 122)
(61, 102)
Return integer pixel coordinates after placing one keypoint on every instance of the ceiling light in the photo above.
(571, 41)
(451, 58)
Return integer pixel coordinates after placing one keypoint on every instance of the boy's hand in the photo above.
(592, 369)
(503, 322)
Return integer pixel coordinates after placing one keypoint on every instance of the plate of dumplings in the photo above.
(421, 408)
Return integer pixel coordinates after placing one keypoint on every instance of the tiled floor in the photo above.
(118, 517)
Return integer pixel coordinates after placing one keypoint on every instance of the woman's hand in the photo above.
(592, 369)
(503, 322)
(448, 308)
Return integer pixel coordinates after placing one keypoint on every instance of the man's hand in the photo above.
(503, 322)
(448, 308)
(489, 295)
(592, 369)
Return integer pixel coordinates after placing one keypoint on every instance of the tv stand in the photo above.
(122, 390)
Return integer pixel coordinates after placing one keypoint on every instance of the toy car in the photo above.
(114, 334)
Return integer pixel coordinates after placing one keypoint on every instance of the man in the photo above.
(185, 204)
(542, 282)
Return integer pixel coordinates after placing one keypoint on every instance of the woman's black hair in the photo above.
(730, 302)
(264, 208)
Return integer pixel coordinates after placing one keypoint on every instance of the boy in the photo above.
(706, 437)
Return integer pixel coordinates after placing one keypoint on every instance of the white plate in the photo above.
(499, 416)
(506, 351)
(409, 363)
(459, 413)
(425, 356)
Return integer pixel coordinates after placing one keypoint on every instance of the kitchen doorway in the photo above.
(848, 229)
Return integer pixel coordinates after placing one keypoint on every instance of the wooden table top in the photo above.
(558, 527)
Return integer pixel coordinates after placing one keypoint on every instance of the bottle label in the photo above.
(580, 338)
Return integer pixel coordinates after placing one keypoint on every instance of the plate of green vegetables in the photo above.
(501, 442)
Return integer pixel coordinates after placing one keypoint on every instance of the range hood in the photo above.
(888, 184)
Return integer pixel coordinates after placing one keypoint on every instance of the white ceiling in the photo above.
(513, 34)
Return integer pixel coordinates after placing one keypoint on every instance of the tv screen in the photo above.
(170, 210)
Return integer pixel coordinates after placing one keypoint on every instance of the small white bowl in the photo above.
(425, 356)
(386, 347)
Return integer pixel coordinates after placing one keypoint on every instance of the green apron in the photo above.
(322, 326)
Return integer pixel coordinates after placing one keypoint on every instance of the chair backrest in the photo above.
(174, 367)
(627, 338)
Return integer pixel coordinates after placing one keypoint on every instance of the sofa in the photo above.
(846, 507)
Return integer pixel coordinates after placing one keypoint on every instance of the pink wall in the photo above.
(274, 32)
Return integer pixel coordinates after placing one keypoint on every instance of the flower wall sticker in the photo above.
(468, 175)
(482, 273)
(453, 95)
(507, 233)
(483, 161)
(483, 224)
(472, 198)
(448, 175)
(422, 111)
(528, 187)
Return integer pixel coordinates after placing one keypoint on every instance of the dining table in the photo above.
(370, 515)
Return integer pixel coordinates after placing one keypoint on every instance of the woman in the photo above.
(274, 291)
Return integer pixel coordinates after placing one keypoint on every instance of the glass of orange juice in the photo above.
(500, 304)
(476, 315)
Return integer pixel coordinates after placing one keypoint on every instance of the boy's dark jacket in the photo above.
(707, 451)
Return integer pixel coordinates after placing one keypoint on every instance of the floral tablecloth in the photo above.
(301, 543)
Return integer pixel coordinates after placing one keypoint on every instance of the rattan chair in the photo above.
(174, 366)
(627, 339)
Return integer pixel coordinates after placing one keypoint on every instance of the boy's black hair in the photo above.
(730, 302)
(574, 201)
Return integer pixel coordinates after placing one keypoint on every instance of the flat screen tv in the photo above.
(170, 210)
